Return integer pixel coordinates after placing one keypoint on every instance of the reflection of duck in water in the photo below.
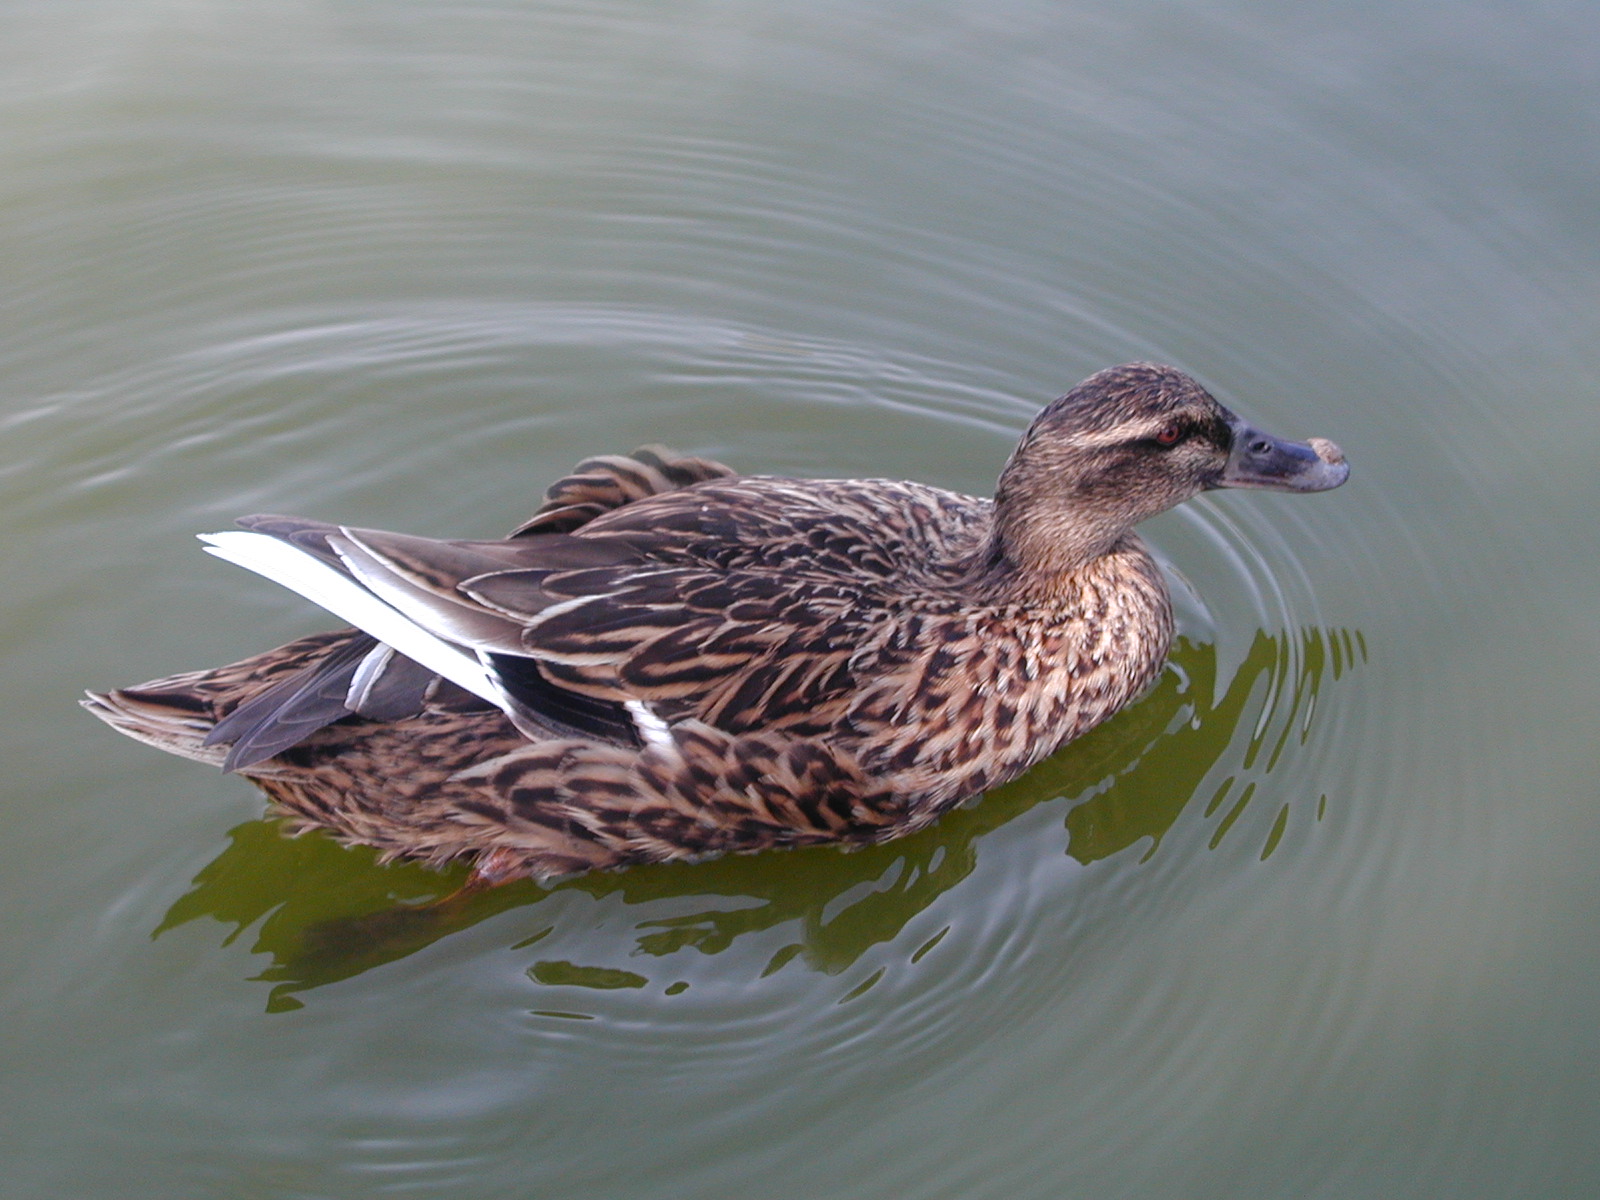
(670, 660)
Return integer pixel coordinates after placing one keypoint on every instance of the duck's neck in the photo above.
(1038, 563)
(1039, 545)
(1050, 525)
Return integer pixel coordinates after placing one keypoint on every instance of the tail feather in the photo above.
(179, 713)
(176, 721)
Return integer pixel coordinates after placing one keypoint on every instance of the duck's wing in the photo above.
(751, 604)
(748, 604)
(643, 629)
(613, 637)
(741, 650)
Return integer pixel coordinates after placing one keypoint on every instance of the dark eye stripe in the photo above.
(1215, 432)
(1179, 431)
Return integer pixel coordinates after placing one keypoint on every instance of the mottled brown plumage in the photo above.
(682, 661)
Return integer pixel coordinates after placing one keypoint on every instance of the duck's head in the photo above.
(1130, 442)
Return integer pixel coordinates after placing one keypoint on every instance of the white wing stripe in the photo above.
(367, 673)
(653, 731)
(319, 583)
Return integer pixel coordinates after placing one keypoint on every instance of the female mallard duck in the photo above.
(670, 660)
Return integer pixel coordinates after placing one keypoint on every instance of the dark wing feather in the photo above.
(291, 709)
(566, 711)
(307, 535)
(398, 687)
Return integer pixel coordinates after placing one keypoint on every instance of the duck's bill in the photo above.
(1260, 460)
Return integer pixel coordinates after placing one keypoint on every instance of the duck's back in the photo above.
(875, 533)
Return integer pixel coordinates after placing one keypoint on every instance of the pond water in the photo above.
(1315, 918)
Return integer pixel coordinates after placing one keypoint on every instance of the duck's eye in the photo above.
(1171, 435)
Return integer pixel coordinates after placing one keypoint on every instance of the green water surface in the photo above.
(1315, 918)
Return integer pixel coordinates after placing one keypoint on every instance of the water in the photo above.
(1315, 918)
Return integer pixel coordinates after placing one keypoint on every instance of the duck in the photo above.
(670, 660)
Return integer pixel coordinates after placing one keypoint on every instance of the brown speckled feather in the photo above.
(685, 662)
